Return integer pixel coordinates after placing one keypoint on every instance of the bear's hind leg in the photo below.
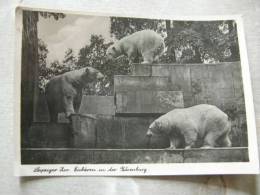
(210, 140)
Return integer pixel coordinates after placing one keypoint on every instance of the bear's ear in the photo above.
(113, 48)
(157, 124)
(87, 71)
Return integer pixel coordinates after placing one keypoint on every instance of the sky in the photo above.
(73, 31)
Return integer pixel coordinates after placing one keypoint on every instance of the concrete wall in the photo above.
(218, 84)
(99, 156)
(105, 131)
(147, 102)
(139, 95)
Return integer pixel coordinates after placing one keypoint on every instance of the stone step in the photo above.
(147, 102)
(102, 131)
(218, 84)
(166, 69)
(139, 83)
(131, 156)
(92, 104)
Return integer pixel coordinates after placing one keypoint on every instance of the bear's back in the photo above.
(196, 115)
(143, 35)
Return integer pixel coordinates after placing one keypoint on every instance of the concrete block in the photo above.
(42, 134)
(134, 83)
(91, 104)
(148, 101)
(180, 78)
(199, 71)
(142, 70)
(83, 131)
(127, 132)
(62, 118)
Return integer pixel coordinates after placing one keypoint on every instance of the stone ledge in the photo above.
(139, 83)
(136, 102)
(93, 104)
(152, 69)
(119, 156)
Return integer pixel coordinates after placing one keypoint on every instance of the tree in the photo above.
(186, 41)
(121, 27)
(69, 59)
(43, 69)
(94, 55)
(206, 40)
(56, 16)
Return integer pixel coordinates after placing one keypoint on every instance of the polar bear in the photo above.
(147, 43)
(64, 92)
(201, 125)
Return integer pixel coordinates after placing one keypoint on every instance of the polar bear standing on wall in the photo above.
(147, 43)
(63, 90)
(189, 125)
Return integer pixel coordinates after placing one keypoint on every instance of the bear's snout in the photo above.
(100, 76)
(109, 57)
(149, 133)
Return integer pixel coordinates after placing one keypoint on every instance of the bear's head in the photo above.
(154, 128)
(92, 75)
(113, 51)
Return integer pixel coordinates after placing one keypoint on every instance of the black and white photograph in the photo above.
(127, 95)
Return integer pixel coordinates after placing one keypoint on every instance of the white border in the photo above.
(251, 167)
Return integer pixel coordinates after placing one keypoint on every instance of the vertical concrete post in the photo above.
(83, 131)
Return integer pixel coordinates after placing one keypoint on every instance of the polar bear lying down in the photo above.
(187, 126)
(147, 43)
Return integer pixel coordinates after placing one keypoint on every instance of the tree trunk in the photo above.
(169, 42)
(197, 56)
(235, 54)
(29, 77)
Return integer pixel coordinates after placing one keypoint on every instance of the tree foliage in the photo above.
(121, 27)
(94, 55)
(46, 72)
(69, 60)
(56, 16)
(187, 41)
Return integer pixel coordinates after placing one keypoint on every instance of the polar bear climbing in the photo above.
(147, 43)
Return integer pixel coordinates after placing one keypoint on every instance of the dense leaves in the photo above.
(94, 55)
(56, 16)
(121, 27)
(187, 41)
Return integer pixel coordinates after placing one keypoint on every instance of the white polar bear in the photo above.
(187, 126)
(64, 92)
(147, 43)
